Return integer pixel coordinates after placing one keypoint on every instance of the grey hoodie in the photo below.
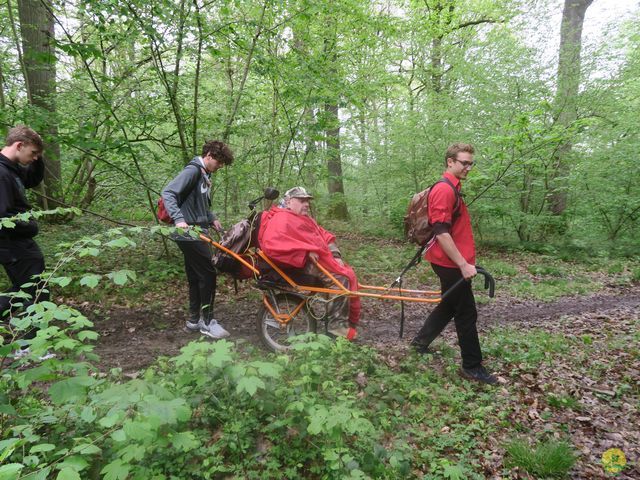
(187, 198)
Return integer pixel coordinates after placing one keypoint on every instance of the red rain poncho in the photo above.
(287, 238)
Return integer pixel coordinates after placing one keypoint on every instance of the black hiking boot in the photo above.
(478, 374)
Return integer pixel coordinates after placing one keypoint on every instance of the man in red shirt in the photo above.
(452, 256)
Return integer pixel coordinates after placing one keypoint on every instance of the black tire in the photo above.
(271, 333)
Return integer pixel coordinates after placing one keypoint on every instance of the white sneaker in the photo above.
(21, 352)
(196, 326)
(214, 330)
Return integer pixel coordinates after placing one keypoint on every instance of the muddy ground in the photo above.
(132, 337)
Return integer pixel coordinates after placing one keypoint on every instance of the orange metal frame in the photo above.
(342, 290)
(417, 296)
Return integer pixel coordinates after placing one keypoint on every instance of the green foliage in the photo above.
(326, 409)
(546, 269)
(564, 401)
(548, 289)
(549, 459)
(499, 268)
(526, 350)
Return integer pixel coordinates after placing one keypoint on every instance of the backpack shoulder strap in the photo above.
(456, 208)
(195, 163)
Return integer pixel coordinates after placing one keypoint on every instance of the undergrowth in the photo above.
(323, 410)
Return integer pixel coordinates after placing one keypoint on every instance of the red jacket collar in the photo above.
(453, 179)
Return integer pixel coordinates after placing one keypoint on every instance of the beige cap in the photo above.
(297, 192)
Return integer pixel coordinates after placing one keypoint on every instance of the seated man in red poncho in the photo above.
(291, 238)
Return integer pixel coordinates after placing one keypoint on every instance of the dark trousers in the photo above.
(459, 305)
(22, 260)
(201, 277)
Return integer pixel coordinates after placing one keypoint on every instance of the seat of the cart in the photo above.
(270, 278)
(268, 273)
(272, 275)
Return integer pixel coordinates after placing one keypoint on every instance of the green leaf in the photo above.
(249, 385)
(121, 242)
(137, 430)
(94, 252)
(74, 462)
(454, 472)
(37, 475)
(10, 471)
(161, 412)
(267, 369)
(62, 281)
(86, 449)
(90, 280)
(221, 354)
(7, 447)
(317, 420)
(61, 313)
(73, 388)
(185, 441)
(87, 335)
(68, 474)
(43, 447)
(121, 277)
(88, 414)
(115, 470)
(66, 343)
(110, 420)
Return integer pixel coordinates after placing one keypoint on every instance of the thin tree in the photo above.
(338, 208)
(567, 92)
(39, 67)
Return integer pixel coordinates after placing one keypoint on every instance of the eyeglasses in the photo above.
(466, 164)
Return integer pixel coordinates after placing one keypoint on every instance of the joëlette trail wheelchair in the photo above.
(294, 303)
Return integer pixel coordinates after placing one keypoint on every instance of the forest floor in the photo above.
(582, 378)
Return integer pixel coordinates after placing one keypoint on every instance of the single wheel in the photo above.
(273, 334)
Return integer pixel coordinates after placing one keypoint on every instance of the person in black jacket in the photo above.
(187, 199)
(21, 167)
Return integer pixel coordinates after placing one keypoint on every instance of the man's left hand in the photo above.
(218, 226)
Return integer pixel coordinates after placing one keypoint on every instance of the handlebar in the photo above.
(489, 283)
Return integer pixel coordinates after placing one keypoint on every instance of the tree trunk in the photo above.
(196, 83)
(437, 66)
(338, 208)
(567, 92)
(36, 27)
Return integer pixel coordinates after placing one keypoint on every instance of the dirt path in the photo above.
(133, 338)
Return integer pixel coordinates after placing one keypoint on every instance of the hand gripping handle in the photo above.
(489, 283)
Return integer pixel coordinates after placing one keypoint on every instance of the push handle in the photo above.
(489, 283)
